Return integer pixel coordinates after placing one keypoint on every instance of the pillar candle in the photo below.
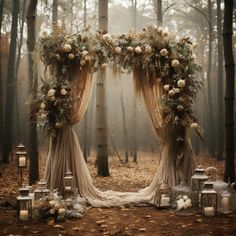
(24, 215)
(209, 211)
(22, 161)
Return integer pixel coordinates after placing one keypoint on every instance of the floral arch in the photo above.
(163, 71)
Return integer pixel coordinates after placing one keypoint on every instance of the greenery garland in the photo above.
(168, 63)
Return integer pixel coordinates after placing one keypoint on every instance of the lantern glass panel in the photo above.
(24, 205)
(163, 197)
(226, 202)
(41, 191)
(208, 200)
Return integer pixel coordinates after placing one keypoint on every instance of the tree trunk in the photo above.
(33, 144)
(1, 83)
(17, 69)
(125, 129)
(55, 11)
(159, 12)
(209, 87)
(10, 93)
(229, 92)
(220, 85)
(101, 118)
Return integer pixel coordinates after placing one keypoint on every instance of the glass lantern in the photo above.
(226, 202)
(163, 197)
(68, 184)
(208, 200)
(24, 205)
(181, 197)
(41, 191)
(21, 156)
(197, 181)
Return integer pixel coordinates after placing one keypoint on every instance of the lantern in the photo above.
(225, 202)
(197, 181)
(68, 183)
(163, 197)
(208, 200)
(24, 205)
(21, 156)
(41, 191)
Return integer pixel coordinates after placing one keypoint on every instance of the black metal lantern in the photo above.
(208, 200)
(163, 197)
(24, 205)
(68, 184)
(197, 181)
(41, 191)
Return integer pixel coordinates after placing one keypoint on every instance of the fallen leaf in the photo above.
(142, 229)
(58, 226)
(99, 222)
(35, 231)
(75, 228)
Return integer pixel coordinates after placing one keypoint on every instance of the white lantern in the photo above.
(68, 184)
(163, 197)
(226, 202)
(24, 205)
(41, 191)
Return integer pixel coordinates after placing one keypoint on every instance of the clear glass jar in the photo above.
(220, 186)
(181, 197)
(226, 202)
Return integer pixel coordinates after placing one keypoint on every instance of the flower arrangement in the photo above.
(55, 209)
(162, 59)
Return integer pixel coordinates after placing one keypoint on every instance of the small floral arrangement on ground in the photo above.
(55, 208)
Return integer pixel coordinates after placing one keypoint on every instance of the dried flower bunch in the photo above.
(161, 59)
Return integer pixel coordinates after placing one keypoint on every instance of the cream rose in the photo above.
(177, 90)
(194, 125)
(148, 49)
(71, 56)
(51, 92)
(118, 50)
(180, 108)
(181, 83)
(175, 63)
(63, 91)
(171, 92)
(160, 30)
(138, 49)
(163, 52)
(43, 105)
(67, 47)
(43, 116)
(84, 53)
(130, 49)
(166, 87)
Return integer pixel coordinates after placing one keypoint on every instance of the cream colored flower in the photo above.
(130, 49)
(61, 211)
(43, 105)
(63, 91)
(177, 90)
(166, 87)
(180, 108)
(106, 37)
(58, 125)
(51, 92)
(67, 47)
(175, 63)
(163, 52)
(71, 56)
(118, 49)
(181, 83)
(82, 62)
(194, 125)
(171, 92)
(84, 53)
(43, 116)
(138, 49)
(160, 30)
(70, 40)
(104, 65)
(148, 49)
(58, 56)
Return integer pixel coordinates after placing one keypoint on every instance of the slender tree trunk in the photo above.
(17, 69)
(10, 93)
(101, 118)
(220, 85)
(125, 129)
(1, 83)
(33, 144)
(55, 11)
(209, 87)
(229, 92)
(159, 12)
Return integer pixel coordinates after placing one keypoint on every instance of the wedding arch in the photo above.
(164, 74)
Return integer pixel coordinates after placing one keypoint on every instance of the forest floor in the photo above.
(117, 220)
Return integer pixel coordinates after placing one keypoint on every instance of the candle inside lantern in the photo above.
(165, 201)
(22, 161)
(68, 188)
(225, 204)
(24, 215)
(209, 211)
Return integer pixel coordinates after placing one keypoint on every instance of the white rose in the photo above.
(84, 53)
(160, 30)
(104, 65)
(61, 211)
(63, 92)
(43, 116)
(71, 56)
(177, 90)
(43, 105)
(138, 49)
(166, 87)
(175, 63)
(67, 47)
(194, 125)
(148, 49)
(181, 83)
(51, 92)
(180, 108)
(118, 50)
(106, 37)
(130, 49)
(171, 92)
(163, 52)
